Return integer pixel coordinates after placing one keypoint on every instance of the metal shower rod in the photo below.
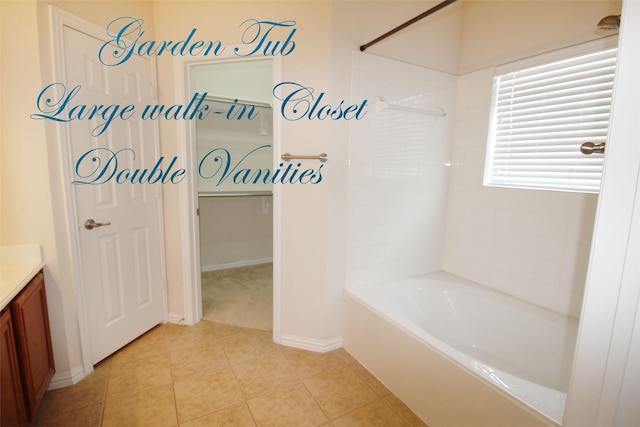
(408, 23)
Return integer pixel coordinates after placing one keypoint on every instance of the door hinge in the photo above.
(197, 211)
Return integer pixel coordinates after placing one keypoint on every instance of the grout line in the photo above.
(233, 372)
(330, 420)
(253, 417)
(105, 392)
(384, 401)
(167, 349)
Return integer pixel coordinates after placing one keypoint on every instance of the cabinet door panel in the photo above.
(12, 410)
(31, 318)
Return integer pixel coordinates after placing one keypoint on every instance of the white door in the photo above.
(122, 260)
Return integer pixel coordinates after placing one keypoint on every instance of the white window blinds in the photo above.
(541, 116)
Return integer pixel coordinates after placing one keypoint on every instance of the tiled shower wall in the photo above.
(416, 202)
(527, 243)
(398, 171)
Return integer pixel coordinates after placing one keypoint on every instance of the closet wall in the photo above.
(235, 230)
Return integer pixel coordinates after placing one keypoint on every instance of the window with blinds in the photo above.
(540, 117)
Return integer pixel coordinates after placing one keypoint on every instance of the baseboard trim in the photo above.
(67, 378)
(311, 344)
(236, 264)
(177, 319)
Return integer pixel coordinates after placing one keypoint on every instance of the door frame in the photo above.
(58, 20)
(188, 194)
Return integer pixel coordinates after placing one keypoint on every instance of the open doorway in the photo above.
(234, 154)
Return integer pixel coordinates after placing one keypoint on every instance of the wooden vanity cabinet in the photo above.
(32, 337)
(12, 409)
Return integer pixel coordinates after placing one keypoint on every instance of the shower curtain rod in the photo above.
(408, 23)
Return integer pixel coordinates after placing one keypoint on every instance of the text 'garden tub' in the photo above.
(431, 338)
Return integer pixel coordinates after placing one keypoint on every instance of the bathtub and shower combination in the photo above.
(456, 352)
(462, 354)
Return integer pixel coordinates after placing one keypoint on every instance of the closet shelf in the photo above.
(234, 193)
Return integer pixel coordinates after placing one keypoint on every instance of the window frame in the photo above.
(506, 177)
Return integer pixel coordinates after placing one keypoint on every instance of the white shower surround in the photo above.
(532, 244)
(398, 171)
(416, 203)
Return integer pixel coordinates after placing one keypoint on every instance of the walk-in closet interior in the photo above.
(234, 152)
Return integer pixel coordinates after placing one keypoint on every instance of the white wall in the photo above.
(500, 31)
(32, 206)
(531, 244)
(26, 214)
(398, 171)
(432, 42)
(306, 234)
(235, 231)
(385, 222)
(527, 243)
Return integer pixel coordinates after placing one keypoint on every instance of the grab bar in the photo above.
(288, 157)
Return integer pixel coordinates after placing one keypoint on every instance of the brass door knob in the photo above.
(90, 224)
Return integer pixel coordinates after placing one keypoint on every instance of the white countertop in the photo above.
(18, 265)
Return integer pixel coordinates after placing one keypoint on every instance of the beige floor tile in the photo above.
(206, 392)
(340, 357)
(371, 381)
(234, 416)
(181, 336)
(247, 344)
(309, 363)
(154, 408)
(138, 375)
(211, 374)
(306, 363)
(403, 410)
(203, 356)
(88, 416)
(339, 391)
(287, 406)
(88, 392)
(223, 330)
(151, 343)
(374, 414)
(264, 373)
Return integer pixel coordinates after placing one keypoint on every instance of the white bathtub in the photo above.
(431, 338)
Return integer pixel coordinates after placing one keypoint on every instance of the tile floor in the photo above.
(218, 375)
